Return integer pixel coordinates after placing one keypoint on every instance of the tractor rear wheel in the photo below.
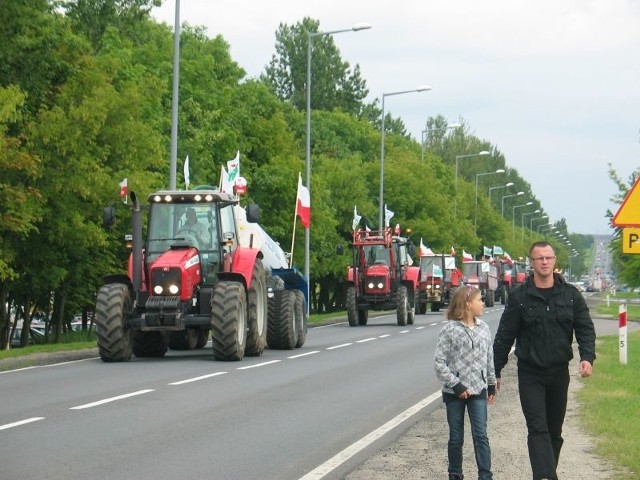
(301, 318)
(257, 312)
(422, 303)
(186, 339)
(402, 305)
(149, 344)
(352, 311)
(281, 331)
(114, 340)
(228, 321)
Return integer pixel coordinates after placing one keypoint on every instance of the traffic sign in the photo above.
(628, 215)
(631, 240)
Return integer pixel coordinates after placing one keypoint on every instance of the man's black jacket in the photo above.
(544, 331)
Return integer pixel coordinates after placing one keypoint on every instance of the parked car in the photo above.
(36, 335)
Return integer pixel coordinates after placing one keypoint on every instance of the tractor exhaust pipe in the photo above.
(136, 249)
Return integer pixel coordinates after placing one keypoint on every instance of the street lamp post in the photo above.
(510, 184)
(513, 219)
(307, 231)
(421, 88)
(534, 219)
(541, 228)
(455, 186)
(509, 196)
(424, 132)
(522, 221)
(478, 175)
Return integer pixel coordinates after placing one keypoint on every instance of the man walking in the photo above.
(542, 316)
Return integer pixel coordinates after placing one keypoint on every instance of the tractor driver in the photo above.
(194, 227)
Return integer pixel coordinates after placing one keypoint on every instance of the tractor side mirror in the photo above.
(253, 213)
(340, 250)
(412, 249)
(108, 217)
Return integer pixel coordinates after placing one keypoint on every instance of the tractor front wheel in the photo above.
(114, 340)
(228, 321)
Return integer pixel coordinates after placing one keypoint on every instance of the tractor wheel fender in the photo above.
(243, 262)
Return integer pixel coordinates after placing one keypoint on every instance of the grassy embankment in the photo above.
(610, 399)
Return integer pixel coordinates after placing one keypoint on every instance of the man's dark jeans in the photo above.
(477, 407)
(543, 396)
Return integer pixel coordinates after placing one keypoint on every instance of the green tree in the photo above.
(334, 84)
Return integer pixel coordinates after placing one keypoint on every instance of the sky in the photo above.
(554, 85)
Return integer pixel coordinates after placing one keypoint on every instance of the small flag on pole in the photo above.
(303, 202)
(124, 189)
(356, 218)
(388, 215)
(186, 173)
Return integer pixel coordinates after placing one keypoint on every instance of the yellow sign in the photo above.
(631, 240)
(628, 215)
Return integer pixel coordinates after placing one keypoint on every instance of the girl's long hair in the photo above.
(458, 305)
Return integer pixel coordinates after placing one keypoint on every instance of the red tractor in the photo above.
(381, 277)
(483, 276)
(520, 271)
(437, 282)
(506, 279)
(192, 276)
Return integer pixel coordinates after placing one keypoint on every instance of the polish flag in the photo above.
(466, 257)
(124, 189)
(303, 206)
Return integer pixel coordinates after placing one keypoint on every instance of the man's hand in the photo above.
(585, 369)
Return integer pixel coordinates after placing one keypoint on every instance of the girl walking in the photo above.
(464, 364)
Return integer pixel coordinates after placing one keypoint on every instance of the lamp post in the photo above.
(510, 184)
(307, 231)
(541, 228)
(173, 154)
(426, 130)
(513, 219)
(522, 221)
(534, 219)
(478, 175)
(509, 196)
(455, 186)
(421, 88)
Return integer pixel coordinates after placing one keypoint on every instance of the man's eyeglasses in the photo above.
(543, 259)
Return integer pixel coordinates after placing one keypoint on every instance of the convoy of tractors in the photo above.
(207, 269)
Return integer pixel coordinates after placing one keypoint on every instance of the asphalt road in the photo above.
(315, 412)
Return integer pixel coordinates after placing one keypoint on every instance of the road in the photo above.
(278, 416)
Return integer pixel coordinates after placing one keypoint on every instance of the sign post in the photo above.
(622, 333)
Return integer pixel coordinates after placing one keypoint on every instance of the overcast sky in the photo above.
(553, 84)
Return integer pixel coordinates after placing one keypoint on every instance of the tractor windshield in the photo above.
(376, 255)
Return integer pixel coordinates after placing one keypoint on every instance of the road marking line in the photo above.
(433, 324)
(112, 399)
(366, 340)
(21, 422)
(195, 379)
(304, 354)
(339, 346)
(385, 335)
(403, 331)
(258, 365)
(337, 460)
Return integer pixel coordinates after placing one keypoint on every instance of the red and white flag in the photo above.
(466, 257)
(303, 201)
(453, 251)
(124, 189)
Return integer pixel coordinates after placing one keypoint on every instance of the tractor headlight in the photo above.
(157, 289)
(370, 285)
(380, 285)
(437, 287)
(174, 289)
(166, 281)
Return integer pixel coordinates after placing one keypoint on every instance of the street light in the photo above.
(513, 219)
(426, 130)
(544, 226)
(478, 175)
(509, 196)
(307, 231)
(421, 88)
(510, 184)
(455, 187)
(534, 219)
(522, 221)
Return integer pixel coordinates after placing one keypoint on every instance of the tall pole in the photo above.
(522, 221)
(509, 196)
(421, 88)
(174, 100)
(455, 186)
(307, 231)
(513, 219)
(478, 175)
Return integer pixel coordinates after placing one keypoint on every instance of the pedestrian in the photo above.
(463, 362)
(542, 315)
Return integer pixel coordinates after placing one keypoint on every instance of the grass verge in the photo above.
(610, 402)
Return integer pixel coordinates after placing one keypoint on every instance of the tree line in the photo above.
(85, 101)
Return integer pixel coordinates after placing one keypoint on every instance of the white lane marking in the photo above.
(337, 460)
(385, 335)
(420, 328)
(258, 365)
(403, 331)
(195, 379)
(21, 422)
(366, 340)
(339, 346)
(433, 324)
(330, 325)
(47, 366)
(112, 399)
(304, 354)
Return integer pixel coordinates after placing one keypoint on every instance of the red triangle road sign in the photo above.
(628, 215)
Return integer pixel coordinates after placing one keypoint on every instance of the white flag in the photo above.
(233, 168)
(388, 215)
(186, 173)
(225, 185)
(356, 218)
